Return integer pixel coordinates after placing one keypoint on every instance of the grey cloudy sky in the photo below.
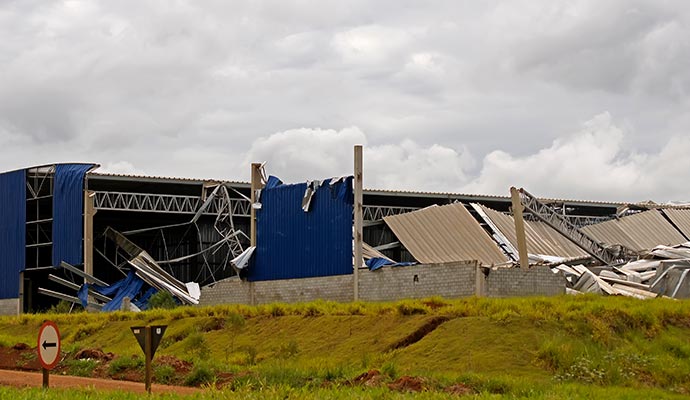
(574, 99)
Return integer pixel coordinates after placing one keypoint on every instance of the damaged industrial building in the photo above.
(109, 242)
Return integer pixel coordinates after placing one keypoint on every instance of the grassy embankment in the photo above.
(541, 348)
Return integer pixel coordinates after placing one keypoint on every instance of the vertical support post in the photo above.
(20, 306)
(519, 227)
(89, 212)
(46, 378)
(147, 354)
(255, 185)
(358, 220)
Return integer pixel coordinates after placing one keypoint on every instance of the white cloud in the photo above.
(121, 167)
(591, 164)
(301, 154)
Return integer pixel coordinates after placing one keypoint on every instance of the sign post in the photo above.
(149, 337)
(48, 349)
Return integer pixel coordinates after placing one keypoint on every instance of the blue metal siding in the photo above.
(68, 210)
(292, 243)
(12, 231)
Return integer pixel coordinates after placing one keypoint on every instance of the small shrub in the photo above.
(162, 299)
(390, 369)
(64, 307)
(583, 370)
(277, 310)
(121, 364)
(212, 324)
(251, 352)
(312, 310)
(163, 374)
(287, 350)
(201, 374)
(412, 308)
(81, 367)
(195, 344)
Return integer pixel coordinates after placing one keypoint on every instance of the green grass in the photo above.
(518, 347)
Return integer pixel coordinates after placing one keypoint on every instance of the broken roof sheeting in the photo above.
(541, 238)
(681, 218)
(642, 231)
(448, 233)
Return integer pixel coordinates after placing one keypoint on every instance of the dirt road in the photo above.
(34, 379)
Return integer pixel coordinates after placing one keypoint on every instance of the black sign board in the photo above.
(157, 332)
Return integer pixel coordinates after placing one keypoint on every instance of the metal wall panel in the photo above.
(292, 243)
(12, 231)
(446, 233)
(68, 211)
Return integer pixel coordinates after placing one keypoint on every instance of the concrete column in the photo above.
(358, 223)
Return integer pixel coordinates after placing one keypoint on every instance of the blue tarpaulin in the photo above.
(68, 209)
(132, 286)
(12, 231)
(292, 243)
(375, 263)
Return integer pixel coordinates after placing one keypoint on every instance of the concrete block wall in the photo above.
(9, 306)
(226, 291)
(535, 281)
(333, 288)
(448, 280)
(235, 291)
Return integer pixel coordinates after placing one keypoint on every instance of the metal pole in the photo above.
(147, 354)
(519, 227)
(46, 378)
(358, 219)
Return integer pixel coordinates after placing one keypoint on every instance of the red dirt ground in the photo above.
(21, 357)
(35, 379)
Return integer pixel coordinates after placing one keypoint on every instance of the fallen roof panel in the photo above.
(446, 233)
(639, 232)
(681, 218)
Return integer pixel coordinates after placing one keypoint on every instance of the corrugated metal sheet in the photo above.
(557, 241)
(292, 243)
(12, 231)
(681, 218)
(447, 233)
(610, 233)
(541, 238)
(649, 229)
(639, 232)
(68, 210)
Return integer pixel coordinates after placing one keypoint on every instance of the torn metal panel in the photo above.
(155, 276)
(672, 252)
(242, 261)
(446, 233)
(541, 238)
